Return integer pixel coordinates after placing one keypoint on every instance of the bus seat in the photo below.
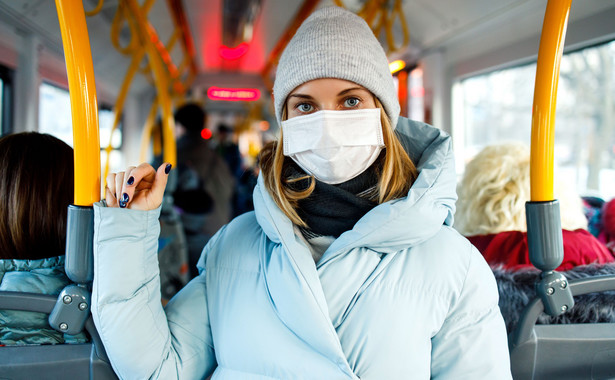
(579, 343)
(58, 361)
(516, 290)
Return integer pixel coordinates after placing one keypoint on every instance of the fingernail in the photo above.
(131, 180)
(168, 168)
(122, 204)
(125, 198)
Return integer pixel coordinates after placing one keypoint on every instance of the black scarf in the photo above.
(333, 209)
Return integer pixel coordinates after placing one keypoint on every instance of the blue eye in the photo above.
(304, 107)
(351, 102)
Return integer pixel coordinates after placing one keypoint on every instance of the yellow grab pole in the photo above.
(545, 96)
(84, 106)
(162, 84)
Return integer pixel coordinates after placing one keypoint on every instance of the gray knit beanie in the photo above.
(335, 43)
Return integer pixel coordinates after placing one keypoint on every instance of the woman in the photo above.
(491, 211)
(36, 187)
(347, 269)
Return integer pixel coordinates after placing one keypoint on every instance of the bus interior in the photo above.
(471, 68)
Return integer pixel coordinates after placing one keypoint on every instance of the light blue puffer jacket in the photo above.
(400, 296)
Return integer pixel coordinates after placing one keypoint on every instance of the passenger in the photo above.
(592, 208)
(36, 187)
(607, 235)
(491, 211)
(229, 151)
(347, 269)
(205, 184)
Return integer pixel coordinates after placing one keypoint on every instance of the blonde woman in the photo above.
(348, 267)
(491, 211)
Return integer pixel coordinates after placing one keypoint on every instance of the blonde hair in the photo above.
(396, 172)
(496, 186)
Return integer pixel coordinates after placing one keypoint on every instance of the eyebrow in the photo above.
(341, 93)
(344, 92)
(302, 96)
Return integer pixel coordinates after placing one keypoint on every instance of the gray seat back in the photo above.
(60, 361)
(568, 351)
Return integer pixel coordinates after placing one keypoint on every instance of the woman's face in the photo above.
(328, 94)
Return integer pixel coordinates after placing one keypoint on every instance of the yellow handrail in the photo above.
(162, 84)
(96, 10)
(304, 11)
(373, 8)
(84, 105)
(545, 96)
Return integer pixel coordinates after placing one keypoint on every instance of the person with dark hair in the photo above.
(348, 268)
(189, 119)
(229, 151)
(36, 188)
(205, 184)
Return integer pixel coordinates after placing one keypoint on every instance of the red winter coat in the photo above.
(509, 248)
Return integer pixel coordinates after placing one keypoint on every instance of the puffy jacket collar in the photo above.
(393, 225)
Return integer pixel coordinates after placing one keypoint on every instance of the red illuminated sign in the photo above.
(233, 94)
(233, 53)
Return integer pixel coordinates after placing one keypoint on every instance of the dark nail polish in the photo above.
(131, 180)
(122, 204)
(168, 168)
(125, 198)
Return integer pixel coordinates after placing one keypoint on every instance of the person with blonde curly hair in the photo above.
(491, 210)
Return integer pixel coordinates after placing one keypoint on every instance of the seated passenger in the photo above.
(607, 234)
(491, 211)
(592, 208)
(36, 187)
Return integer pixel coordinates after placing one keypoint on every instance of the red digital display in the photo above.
(233, 94)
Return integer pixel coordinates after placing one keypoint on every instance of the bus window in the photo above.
(105, 122)
(54, 112)
(6, 83)
(496, 107)
(55, 119)
(416, 98)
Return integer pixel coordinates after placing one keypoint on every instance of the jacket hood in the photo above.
(397, 224)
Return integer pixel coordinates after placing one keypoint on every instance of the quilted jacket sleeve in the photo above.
(142, 339)
(472, 342)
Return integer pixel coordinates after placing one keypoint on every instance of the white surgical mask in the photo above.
(334, 146)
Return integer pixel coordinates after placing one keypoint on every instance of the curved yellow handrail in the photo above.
(162, 85)
(545, 96)
(374, 8)
(84, 105)
(96, 10)
(116, 26)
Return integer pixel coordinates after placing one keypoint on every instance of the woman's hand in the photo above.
(138, 188)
